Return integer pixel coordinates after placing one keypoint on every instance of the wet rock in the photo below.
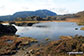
(41, 26)
(76, 28)
(30, 24)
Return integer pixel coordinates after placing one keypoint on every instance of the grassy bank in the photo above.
(82, 28)
(42, 21)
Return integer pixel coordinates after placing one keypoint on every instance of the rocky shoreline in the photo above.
(55, 48)
(15, 46)
(9, 45)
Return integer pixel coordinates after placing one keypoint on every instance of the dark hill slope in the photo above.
(23, 14)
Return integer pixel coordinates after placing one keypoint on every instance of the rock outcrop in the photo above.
(7, 29)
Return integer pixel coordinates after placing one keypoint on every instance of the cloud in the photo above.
(2, 7)
(58, 6)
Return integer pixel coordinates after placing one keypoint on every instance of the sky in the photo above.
(9, 7)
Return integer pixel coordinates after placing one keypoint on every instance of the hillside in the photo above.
(80, 13)
(24, 14)
(81, 16)
(6, 18)
(42, 15)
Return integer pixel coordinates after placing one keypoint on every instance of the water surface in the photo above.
(51, 30)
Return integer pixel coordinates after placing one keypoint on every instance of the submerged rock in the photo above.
(30, 24)
(76, 28)
(42, 26)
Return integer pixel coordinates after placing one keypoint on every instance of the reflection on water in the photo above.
(52, 31)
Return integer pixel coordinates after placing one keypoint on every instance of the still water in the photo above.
(51, 30)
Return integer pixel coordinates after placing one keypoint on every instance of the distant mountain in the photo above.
(6, 18)
(40, 13)
(23, 14)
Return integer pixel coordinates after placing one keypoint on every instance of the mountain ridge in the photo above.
(41, 13)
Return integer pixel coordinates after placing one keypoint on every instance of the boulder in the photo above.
(76, 28)
(7, 29)
(30, 24)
